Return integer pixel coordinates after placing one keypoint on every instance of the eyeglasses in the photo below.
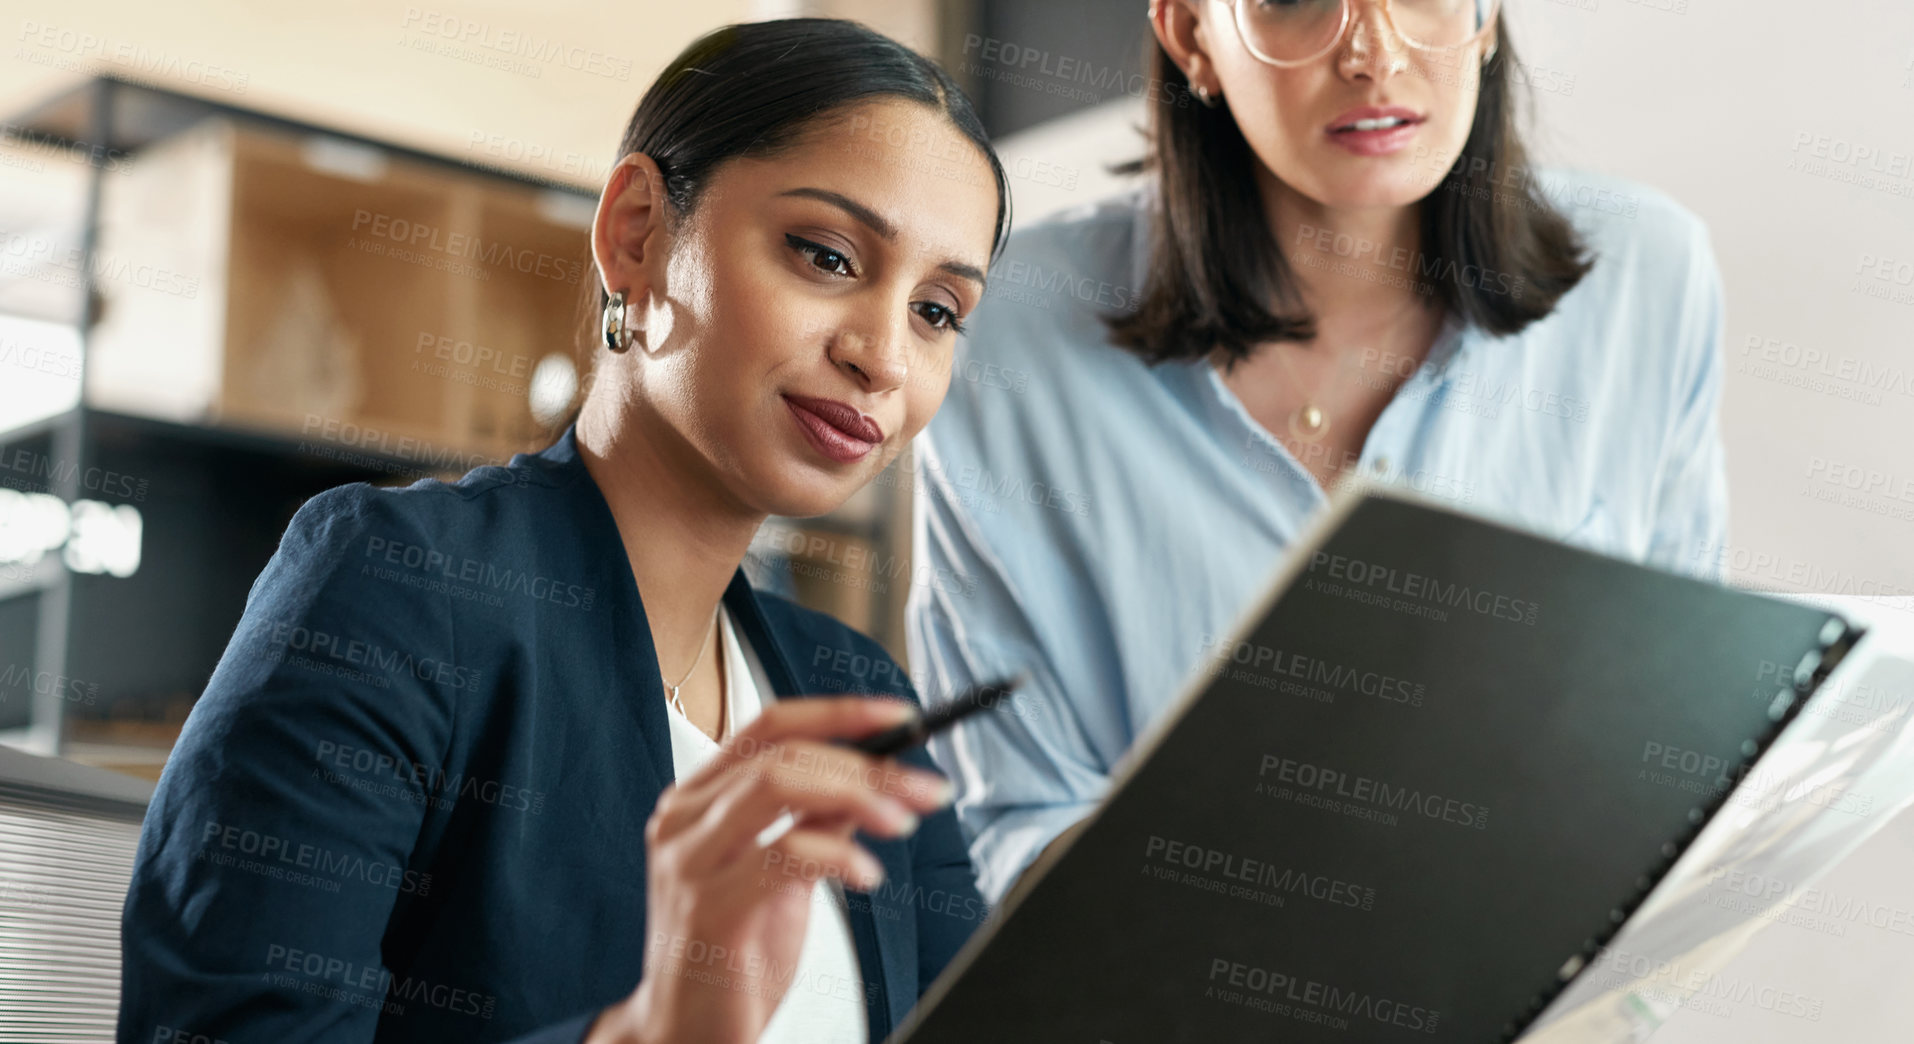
(1293, 32)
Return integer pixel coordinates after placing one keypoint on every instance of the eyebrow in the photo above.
(876, 223)
(963, 271)
(849, 206)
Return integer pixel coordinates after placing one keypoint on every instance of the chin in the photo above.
(798, 491)
(1380, 190)
(1339, 184)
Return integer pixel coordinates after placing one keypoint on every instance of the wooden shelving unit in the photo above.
(249, 338)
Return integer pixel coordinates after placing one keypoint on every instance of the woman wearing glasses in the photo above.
(1341, 264)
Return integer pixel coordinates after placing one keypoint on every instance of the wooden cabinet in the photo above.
(272, 309)
(311, 286)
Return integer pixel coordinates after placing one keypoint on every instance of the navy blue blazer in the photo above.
(410, 805)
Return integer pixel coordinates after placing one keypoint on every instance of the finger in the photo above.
(802, 858)
(831, 717)
(824, 718)
(807, 718)
(831, 771)
(839, 825)
(829, 824)
(752, 799)
(828, 766)
(847, 717)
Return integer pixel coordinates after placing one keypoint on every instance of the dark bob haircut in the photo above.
(754, 89)
(1218, 282)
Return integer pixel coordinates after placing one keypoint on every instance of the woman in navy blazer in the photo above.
(428, 794)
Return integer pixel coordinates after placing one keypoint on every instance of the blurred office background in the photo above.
(273, 200)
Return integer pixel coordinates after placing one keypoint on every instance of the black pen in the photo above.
(963, 705)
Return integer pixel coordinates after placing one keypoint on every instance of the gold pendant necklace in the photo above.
(1307, 422)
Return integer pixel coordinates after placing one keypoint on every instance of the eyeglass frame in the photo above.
(1236, 19)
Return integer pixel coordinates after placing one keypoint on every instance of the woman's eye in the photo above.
(939, 317)
(822, 258)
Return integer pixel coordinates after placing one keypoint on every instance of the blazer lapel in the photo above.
(630, 631)
(633, 633)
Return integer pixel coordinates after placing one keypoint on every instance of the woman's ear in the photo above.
(628, 232)
(1184, 34)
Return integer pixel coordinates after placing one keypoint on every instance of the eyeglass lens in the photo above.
(1293, 30)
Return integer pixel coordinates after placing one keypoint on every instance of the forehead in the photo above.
(903, 159)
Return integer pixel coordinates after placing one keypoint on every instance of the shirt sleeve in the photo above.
(1024, 772)
(1691, 493)
(280, 837)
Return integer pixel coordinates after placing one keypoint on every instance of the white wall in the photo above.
(1724, 105)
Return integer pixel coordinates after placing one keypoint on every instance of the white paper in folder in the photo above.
(1839, 773)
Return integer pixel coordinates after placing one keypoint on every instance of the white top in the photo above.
(824, 999)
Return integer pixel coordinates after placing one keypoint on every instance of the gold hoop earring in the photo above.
(617, 331)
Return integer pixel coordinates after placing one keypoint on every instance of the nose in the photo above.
(1373, 49)
(875, 354)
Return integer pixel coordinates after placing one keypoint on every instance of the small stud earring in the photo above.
(1209, 101)
(617, 331)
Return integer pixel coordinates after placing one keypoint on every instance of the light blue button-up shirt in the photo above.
(1098, 522)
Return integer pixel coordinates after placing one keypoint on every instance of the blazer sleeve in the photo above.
(281, 834)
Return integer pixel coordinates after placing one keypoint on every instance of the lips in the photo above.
(1371, 118)
(1374, 130)
(836, 429)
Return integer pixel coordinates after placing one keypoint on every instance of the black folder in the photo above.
(1409, 799)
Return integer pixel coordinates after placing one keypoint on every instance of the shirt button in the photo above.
(1381, 464)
